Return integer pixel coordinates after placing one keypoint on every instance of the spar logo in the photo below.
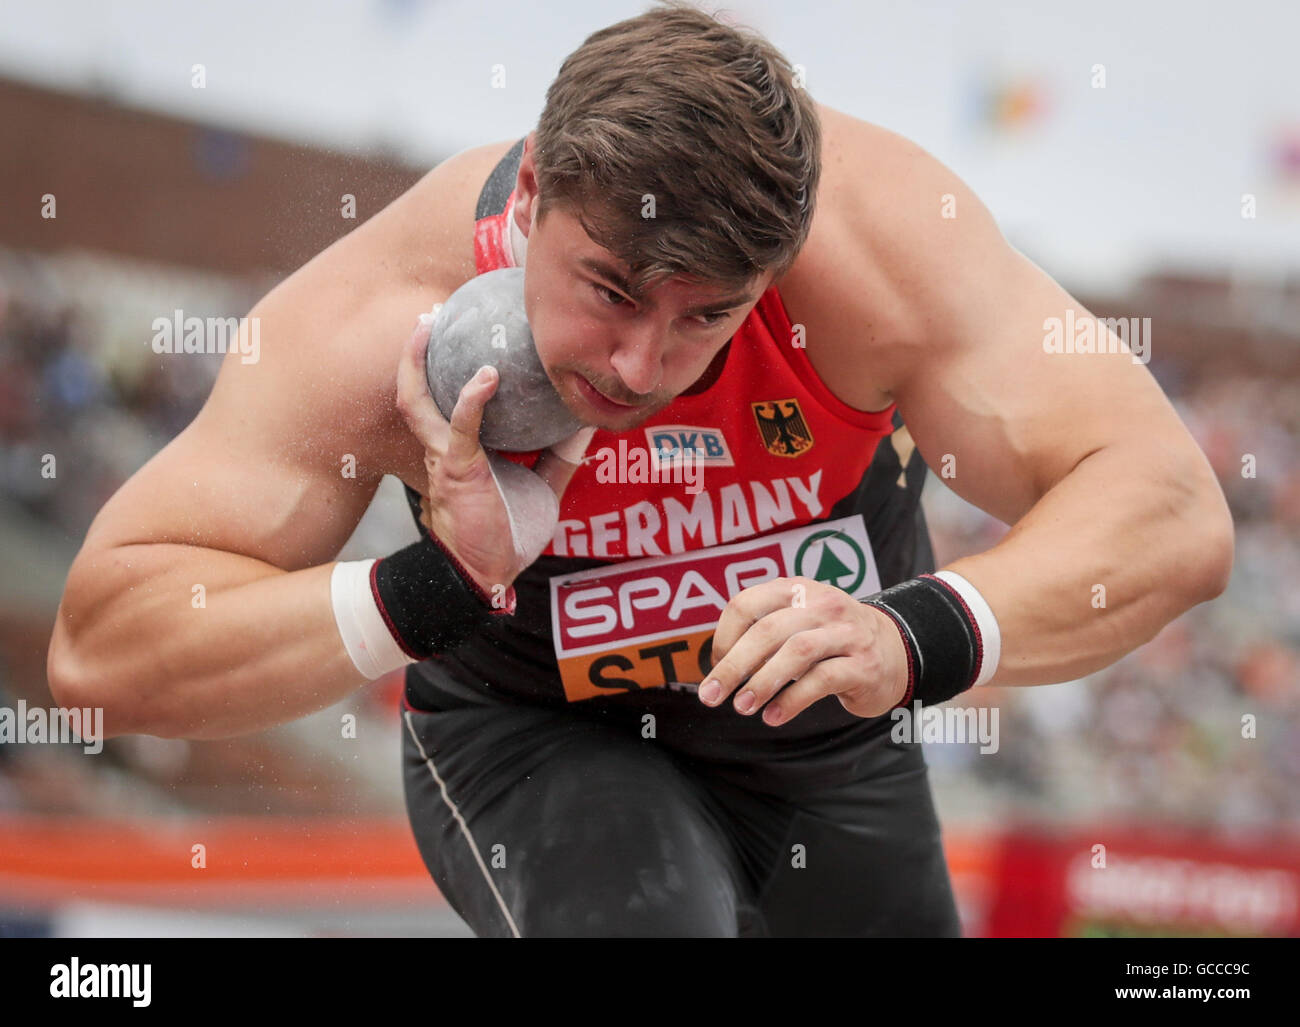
(649, 623)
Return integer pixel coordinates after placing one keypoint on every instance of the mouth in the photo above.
(600, 401)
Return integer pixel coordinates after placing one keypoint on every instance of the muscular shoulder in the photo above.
(880, 250)
(332, 332)
(426, 236)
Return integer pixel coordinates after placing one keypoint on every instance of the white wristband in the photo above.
(990, 635)
(365, 634)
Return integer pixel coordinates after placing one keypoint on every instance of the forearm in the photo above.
(258, 646)
(1102, 562)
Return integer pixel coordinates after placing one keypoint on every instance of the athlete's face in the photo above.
(594, 336)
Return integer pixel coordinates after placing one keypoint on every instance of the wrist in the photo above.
(946, 641)
(429, 601)
(497, 596)
(362, 628)
(493, 593)
(896, 638)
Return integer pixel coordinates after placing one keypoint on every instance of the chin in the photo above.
(634, 421)
(611, 423)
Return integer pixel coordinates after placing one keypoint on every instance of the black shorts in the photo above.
(539, 822)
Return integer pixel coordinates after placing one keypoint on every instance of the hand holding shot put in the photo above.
(493, 515)
(469, 377)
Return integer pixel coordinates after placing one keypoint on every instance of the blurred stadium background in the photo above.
(1134, 193)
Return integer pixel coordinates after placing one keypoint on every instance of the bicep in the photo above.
(285, 456)
(279, 464)
(996, 412)
(205, 490)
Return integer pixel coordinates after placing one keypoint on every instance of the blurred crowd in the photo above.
(1199, 728)
(79, 379)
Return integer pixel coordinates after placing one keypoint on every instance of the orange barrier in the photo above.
(1021, 881)
(44, 861)
(47, 860)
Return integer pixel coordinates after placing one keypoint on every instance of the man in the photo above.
(715, 267)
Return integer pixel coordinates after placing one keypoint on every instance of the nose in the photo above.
(638, 359)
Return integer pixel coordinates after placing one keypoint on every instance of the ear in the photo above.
(526, 187)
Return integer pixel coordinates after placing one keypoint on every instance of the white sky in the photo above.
(1149, 170)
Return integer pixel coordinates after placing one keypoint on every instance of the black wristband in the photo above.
(429, 601)
(944, 649)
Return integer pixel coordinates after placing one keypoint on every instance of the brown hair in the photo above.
(704, 117)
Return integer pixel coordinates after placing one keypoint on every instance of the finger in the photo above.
(829, 677)
(422, 415)
(749, 606)
(557, 465)
(463, 448)
(753, 649)
(797, 655)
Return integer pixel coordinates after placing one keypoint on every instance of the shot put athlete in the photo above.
(640, 702)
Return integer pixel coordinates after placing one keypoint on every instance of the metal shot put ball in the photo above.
(483, 322)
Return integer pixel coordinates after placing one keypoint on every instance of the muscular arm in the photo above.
(249, 503)
(252, 502)
(1081, 453)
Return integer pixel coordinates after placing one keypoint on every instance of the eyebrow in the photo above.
(612, 274)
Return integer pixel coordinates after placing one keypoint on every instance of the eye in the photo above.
(710, 320)
(605, 293)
